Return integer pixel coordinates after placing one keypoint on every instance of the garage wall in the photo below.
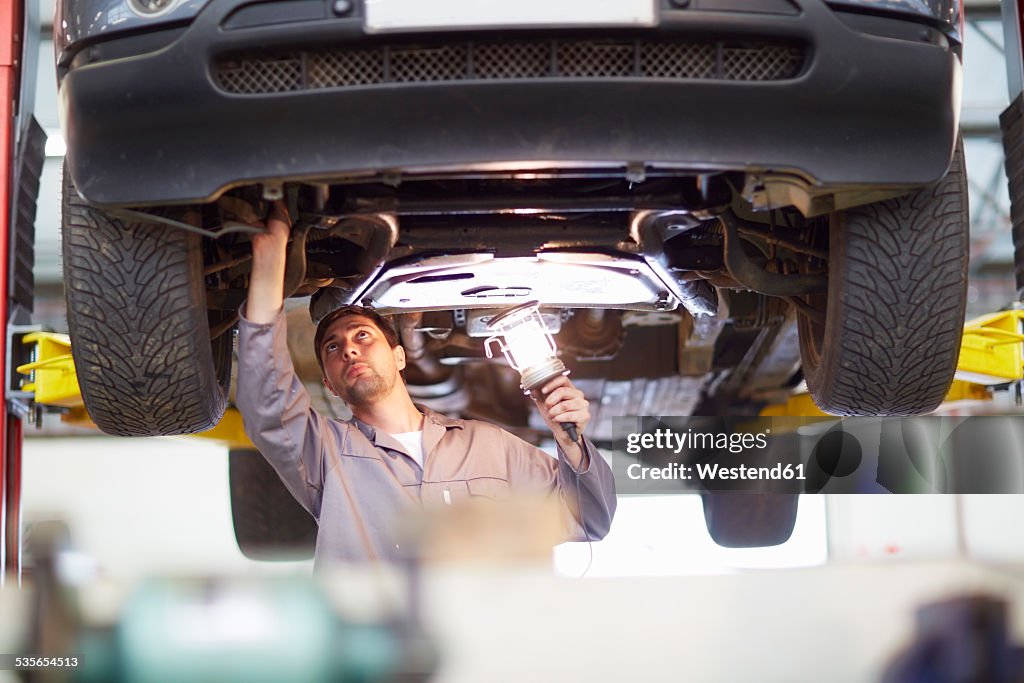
(140, 507)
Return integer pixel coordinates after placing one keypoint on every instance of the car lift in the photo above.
(22, 144)
(49, 383)
(40, 371)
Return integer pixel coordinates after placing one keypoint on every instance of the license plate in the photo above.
(383, 16)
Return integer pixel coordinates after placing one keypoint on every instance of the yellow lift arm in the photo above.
(991, 353)
(51, 380)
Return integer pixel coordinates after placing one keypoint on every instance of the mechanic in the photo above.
(358, 477)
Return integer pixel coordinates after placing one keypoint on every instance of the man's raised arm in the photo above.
(274, 404)
(269, 255)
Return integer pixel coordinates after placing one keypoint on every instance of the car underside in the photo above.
(638, 281)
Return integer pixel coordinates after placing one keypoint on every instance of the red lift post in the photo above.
(11, 46)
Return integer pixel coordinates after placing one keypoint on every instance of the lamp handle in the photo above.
(487, 346)
(570, 429)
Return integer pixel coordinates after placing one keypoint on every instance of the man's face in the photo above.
(360, 367)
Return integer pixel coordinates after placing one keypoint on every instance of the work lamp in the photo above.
(528, 347)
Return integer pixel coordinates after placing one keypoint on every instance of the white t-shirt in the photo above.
(413, 442)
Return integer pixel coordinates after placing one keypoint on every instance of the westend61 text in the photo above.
(715, 472)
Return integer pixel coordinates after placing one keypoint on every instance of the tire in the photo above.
(269, 523)
(138, 323)
(894, 311)
(737, 519)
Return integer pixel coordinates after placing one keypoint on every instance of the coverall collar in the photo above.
(434, 427)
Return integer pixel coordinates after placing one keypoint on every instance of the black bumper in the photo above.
(865, 111)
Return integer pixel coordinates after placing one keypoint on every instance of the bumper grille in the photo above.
(494, 61)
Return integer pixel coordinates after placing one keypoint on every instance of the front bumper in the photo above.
(866, 111)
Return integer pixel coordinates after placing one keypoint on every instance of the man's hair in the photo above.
(382, 323)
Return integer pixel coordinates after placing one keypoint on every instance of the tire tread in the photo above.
(138, 322)
(892, 339)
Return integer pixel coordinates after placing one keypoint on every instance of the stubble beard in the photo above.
(367, 388)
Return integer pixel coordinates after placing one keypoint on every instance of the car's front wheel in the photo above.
(138, 323)
(889, 340)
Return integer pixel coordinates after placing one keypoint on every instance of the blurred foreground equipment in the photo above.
(958, 640)
(196, 629)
